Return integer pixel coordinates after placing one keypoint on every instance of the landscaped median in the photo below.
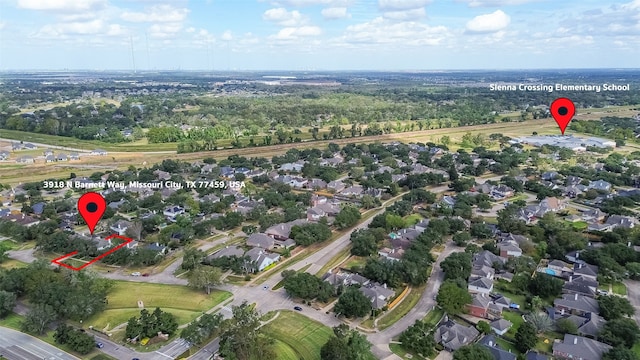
(183, 302)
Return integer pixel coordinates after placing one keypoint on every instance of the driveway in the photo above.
(19, 346)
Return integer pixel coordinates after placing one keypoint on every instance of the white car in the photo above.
(137, 273)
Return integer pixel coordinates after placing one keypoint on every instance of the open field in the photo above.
(184, 302)
(135, 153)
(298, 336)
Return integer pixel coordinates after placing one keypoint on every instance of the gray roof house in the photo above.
(377, 294)
(260, 240)
(578, 347)
(489, 342)
(228, 251)
(453, 336)
(576, 304)
(600, 185)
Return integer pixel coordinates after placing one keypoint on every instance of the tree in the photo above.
(452, 298)
(620, 332)
(472, 352)
(614, 307)
(484, 327)
(418, 339)
(620, 353)
(192, 258)
(7, 302)
(205, 277)
(365, 242)
(545, 285)
(307, 286)
(149, 324)
(461, 238)
(541, 321)
(567, 326)
(242, 337)
(347, 344)
(199, 330)
(352, 303)
(526, 337)
(38, 319)
(77, 340)
(348, 216)
(457, 266)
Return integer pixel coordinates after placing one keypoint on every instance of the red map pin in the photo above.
(91, 207)
(562, 110)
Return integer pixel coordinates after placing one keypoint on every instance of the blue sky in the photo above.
(318, 34)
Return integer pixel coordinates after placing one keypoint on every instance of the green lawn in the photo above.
(12, 321)
(516, 319)
(434, 316)
(412, 219)
(636, 349)
(401, 309)
(619, 288)
(299, 336)
(545, 342)
(185, 303)
(400, 351)
(507, 345)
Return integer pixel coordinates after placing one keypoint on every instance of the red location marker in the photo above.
(91, 207)
(562, 110)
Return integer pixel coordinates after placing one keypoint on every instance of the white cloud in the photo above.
(488, 23)
(329, 3)
(292, 33)
(405, 15)
(382, 31)
(2, 25)
(333, 13)
(62, 30)
(61, 5)
(164, 30)
(397, 5)
(283, 17)
(227, 36)
(495, 3)
(157, 13)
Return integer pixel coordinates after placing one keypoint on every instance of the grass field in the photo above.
(297, 336)
(516, 319)
(400, 310)
(619, 288)
(185, 303)
(434, 316)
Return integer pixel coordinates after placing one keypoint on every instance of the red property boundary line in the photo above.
(58, 261)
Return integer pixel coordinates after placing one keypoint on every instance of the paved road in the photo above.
(381, 340)
(633, 294)
(15, 345)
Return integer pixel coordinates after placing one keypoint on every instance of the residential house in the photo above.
(172, 211)
(115, 205)
(582, 285)
(392, 254)
(342, 278)
(260, 259)
(532, 355)
(377, 294)
(626, 222)
(579, 348)
(38, 208)
(316, 184)
(593, 215)
(586, 270)
(576, 304)
(282, 231)
(491, 344)
(552, 204)
(352, 191)
(557, 268)
(25, 160)
(120, 227)
(4, 155)
(549, 175)
(324, 209)
(101, 244)
(295, 166)
(229, 251)
(207, 169)
(260, 240)
(336, 186)
(484, 306)
(162, 175)
(210, 198)
(62, 157)
(509, 249)
(481, 285)
(157, 247)
(453, 336)
(99, 152)
(245, 206)
(487, 258)
(74, 156)
(600, 185)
